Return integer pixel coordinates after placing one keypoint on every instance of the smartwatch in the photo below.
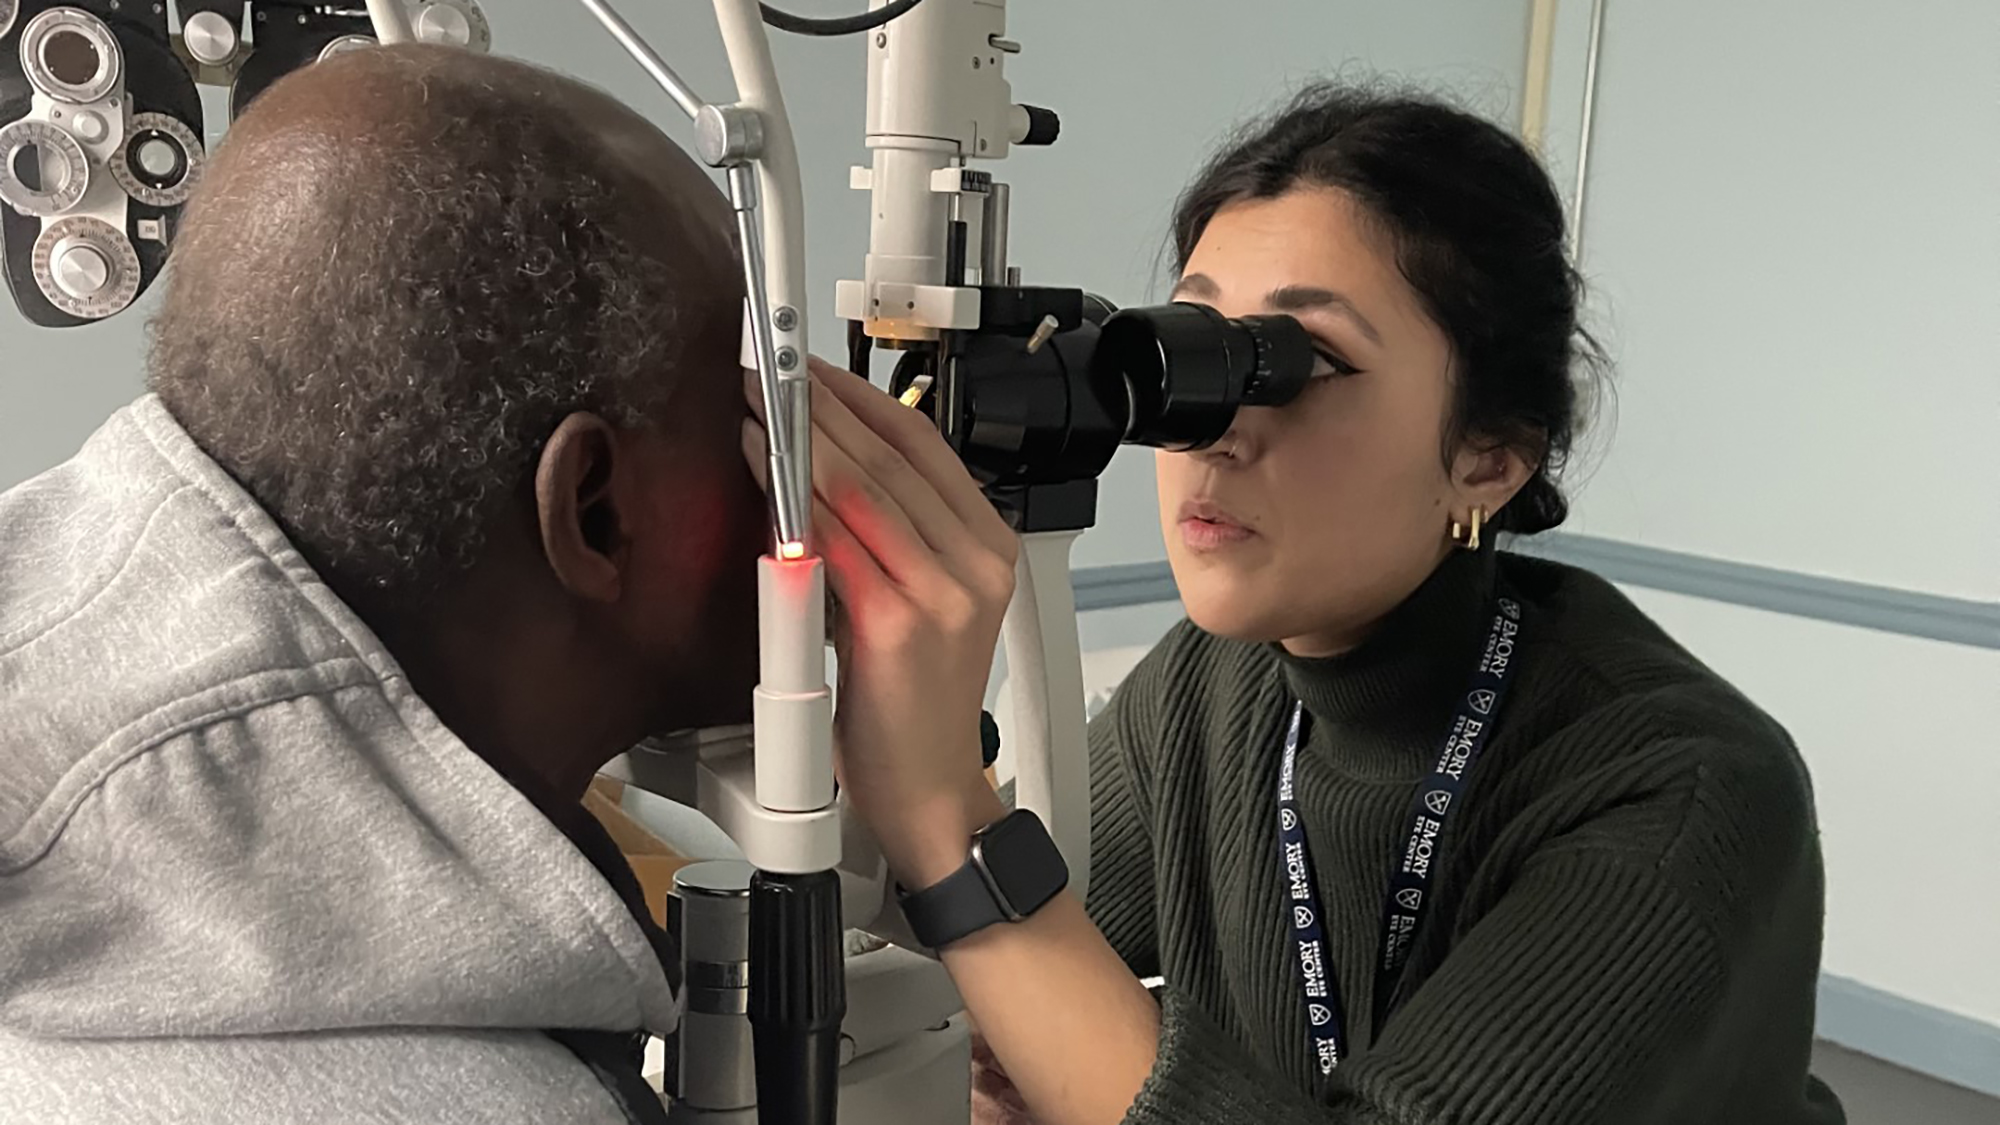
(1014, 870)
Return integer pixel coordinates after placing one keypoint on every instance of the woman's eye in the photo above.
(1331, 364)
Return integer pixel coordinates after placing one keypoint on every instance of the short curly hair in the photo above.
(375, 318)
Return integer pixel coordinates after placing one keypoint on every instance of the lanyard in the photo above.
(1435, 799)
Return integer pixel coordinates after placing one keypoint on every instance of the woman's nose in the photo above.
(1239, 443)
(1223, 452)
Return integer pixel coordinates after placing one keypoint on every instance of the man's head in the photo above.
(468, 330)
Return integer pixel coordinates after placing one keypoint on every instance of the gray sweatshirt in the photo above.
(246, 875)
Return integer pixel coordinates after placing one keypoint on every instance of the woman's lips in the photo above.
(1202, 536)
(1206, 527)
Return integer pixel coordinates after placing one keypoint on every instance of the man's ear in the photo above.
(576, 510)
(1487, 473)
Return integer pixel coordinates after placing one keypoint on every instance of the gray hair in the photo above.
(377, 315)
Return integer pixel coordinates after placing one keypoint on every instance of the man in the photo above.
(307, 659)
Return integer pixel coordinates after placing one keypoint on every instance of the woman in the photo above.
(1415, 830)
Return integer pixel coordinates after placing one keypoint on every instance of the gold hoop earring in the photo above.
(1468, 537)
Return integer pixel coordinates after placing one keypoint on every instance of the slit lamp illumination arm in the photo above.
(752, 141)
(792, 834)
(392, 21)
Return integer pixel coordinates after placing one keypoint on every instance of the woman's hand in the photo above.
(923, 568)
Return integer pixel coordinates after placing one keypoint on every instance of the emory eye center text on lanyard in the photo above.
(1436, 798)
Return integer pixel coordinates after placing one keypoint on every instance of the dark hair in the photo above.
(1479, 234)
(379, 351)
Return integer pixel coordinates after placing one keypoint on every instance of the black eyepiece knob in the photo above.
(1044, 127)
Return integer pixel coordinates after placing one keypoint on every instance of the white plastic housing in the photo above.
(793, 781)
(794, 706)
(922, 1080)
(784, 842)
(791, 626)
(938, 96)
(936, 73)
(1045, 667)
(926, 308)
(893, 994)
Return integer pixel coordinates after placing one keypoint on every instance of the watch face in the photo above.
(1021, 863)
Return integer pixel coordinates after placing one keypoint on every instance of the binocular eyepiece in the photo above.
(1187, 368)
(1029, 412)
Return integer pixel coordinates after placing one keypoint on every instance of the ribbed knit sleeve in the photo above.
(1122, 870)
(1579, 993)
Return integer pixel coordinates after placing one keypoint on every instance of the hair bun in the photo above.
(1539, 506)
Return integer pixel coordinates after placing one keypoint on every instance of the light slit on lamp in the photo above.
(918, 388)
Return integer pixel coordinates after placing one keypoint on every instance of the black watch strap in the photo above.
(956, 908)
(1014, 870)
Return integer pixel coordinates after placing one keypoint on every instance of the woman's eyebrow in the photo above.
(1197, 285)
(1308, 298)
(1289, 299)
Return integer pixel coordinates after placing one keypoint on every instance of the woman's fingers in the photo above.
(895, 509)
(881, 467)
(875, 512)
(922, 608)
(882, 463)
(912, 435)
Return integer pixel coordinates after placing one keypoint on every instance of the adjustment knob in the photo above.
(90, 127)
(209, 37)
(1044, 127)
(442, 23)
(454, 23)
(81, 270)
(156, 158)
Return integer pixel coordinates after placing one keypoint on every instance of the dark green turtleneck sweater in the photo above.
(1625, 918)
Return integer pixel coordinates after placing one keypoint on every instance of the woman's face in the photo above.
(1308, 522)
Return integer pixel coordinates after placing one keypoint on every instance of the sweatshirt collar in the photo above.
(1377, 709)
